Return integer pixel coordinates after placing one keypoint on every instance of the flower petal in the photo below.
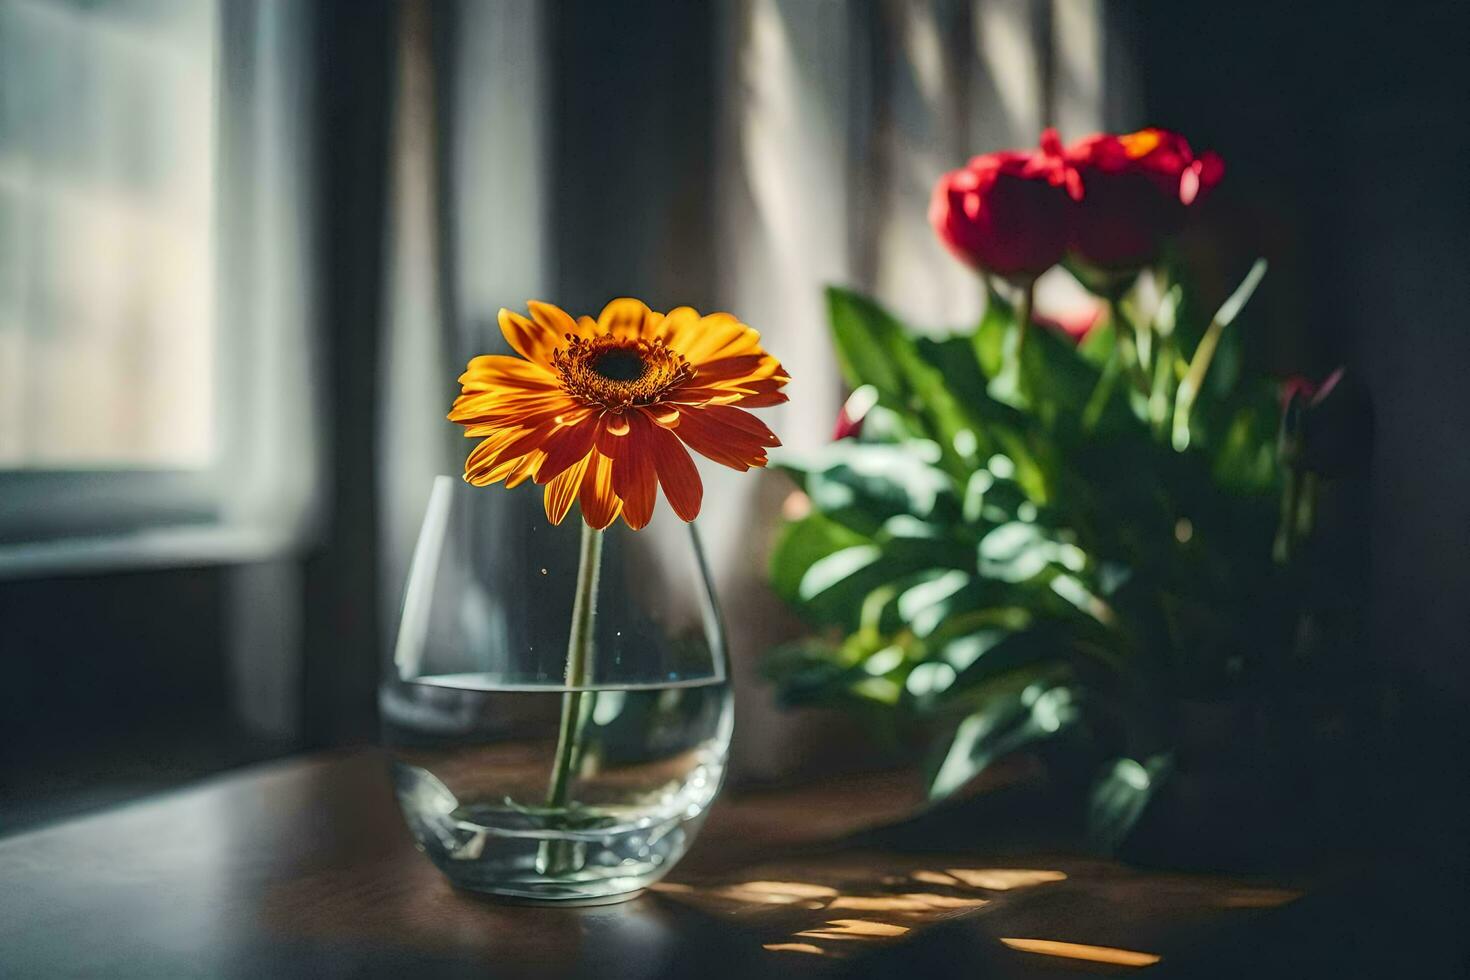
(762, 399)
(612, 434)
(629, 318)
(533, 341)
(679, 327)
(479, 466)
(523, 469)
(490, 372)
(744, 421)
(734, 369)
(562, 490)
(718, 334)
(676, 472)
(556, 320)
(492, 408)
(710, 435)
(600, 506)
(568, 442)
(633, 477)
(536, 430)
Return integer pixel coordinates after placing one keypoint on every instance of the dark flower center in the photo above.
(615, 372)
(620, 364)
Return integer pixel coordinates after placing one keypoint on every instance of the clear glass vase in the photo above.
(558, 710)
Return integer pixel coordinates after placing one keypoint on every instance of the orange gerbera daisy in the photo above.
(601, 410)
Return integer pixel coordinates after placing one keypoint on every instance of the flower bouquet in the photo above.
(1023, 540)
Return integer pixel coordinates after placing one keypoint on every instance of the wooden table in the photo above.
(303, 868)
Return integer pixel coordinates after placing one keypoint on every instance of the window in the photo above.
(138, 306)
(107, 140)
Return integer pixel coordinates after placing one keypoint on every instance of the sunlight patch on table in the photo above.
(991, 879)
(1082, 951)
(910, 902)
(855, 929)
(795, 948)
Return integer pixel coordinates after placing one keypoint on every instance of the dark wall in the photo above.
(1343, 128)
(104, 697)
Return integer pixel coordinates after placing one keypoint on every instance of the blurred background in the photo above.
(246, 247)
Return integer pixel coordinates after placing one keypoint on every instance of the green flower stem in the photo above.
(1160, 401)
(1194, 378)
(1023, 329)
(1284, 546)
(1125, 338)
(1298, 512)
(1023, 317)
(1144, 339)
(1306, 509)
(1098, 402)
(559, 857)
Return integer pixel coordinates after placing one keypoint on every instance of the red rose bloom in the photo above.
(1136, 189)
(1005, 212)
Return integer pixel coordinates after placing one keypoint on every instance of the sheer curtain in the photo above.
(740, 156)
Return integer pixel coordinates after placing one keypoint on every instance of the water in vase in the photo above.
(473, 771)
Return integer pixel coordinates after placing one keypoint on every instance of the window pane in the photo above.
(107, 167)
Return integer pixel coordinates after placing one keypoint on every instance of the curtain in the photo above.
(838, 119)
(740, 156)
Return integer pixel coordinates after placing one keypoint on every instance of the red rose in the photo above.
(1005, 212)
(1136, 189)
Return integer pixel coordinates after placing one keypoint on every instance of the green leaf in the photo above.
(954, 359)
(1120, 797)
(832, 574)
(1063, 380)
(874, 348)
(1016, 552)
(864, 484)
(865, 335)
(1099, 346)
(831, 570)
(1004, 725)
(800, 545)
(925, 606)
(1245, 456)
(989, 339)
(808, 671)
(1102, 392)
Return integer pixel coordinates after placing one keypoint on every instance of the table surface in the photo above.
(303, 868)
